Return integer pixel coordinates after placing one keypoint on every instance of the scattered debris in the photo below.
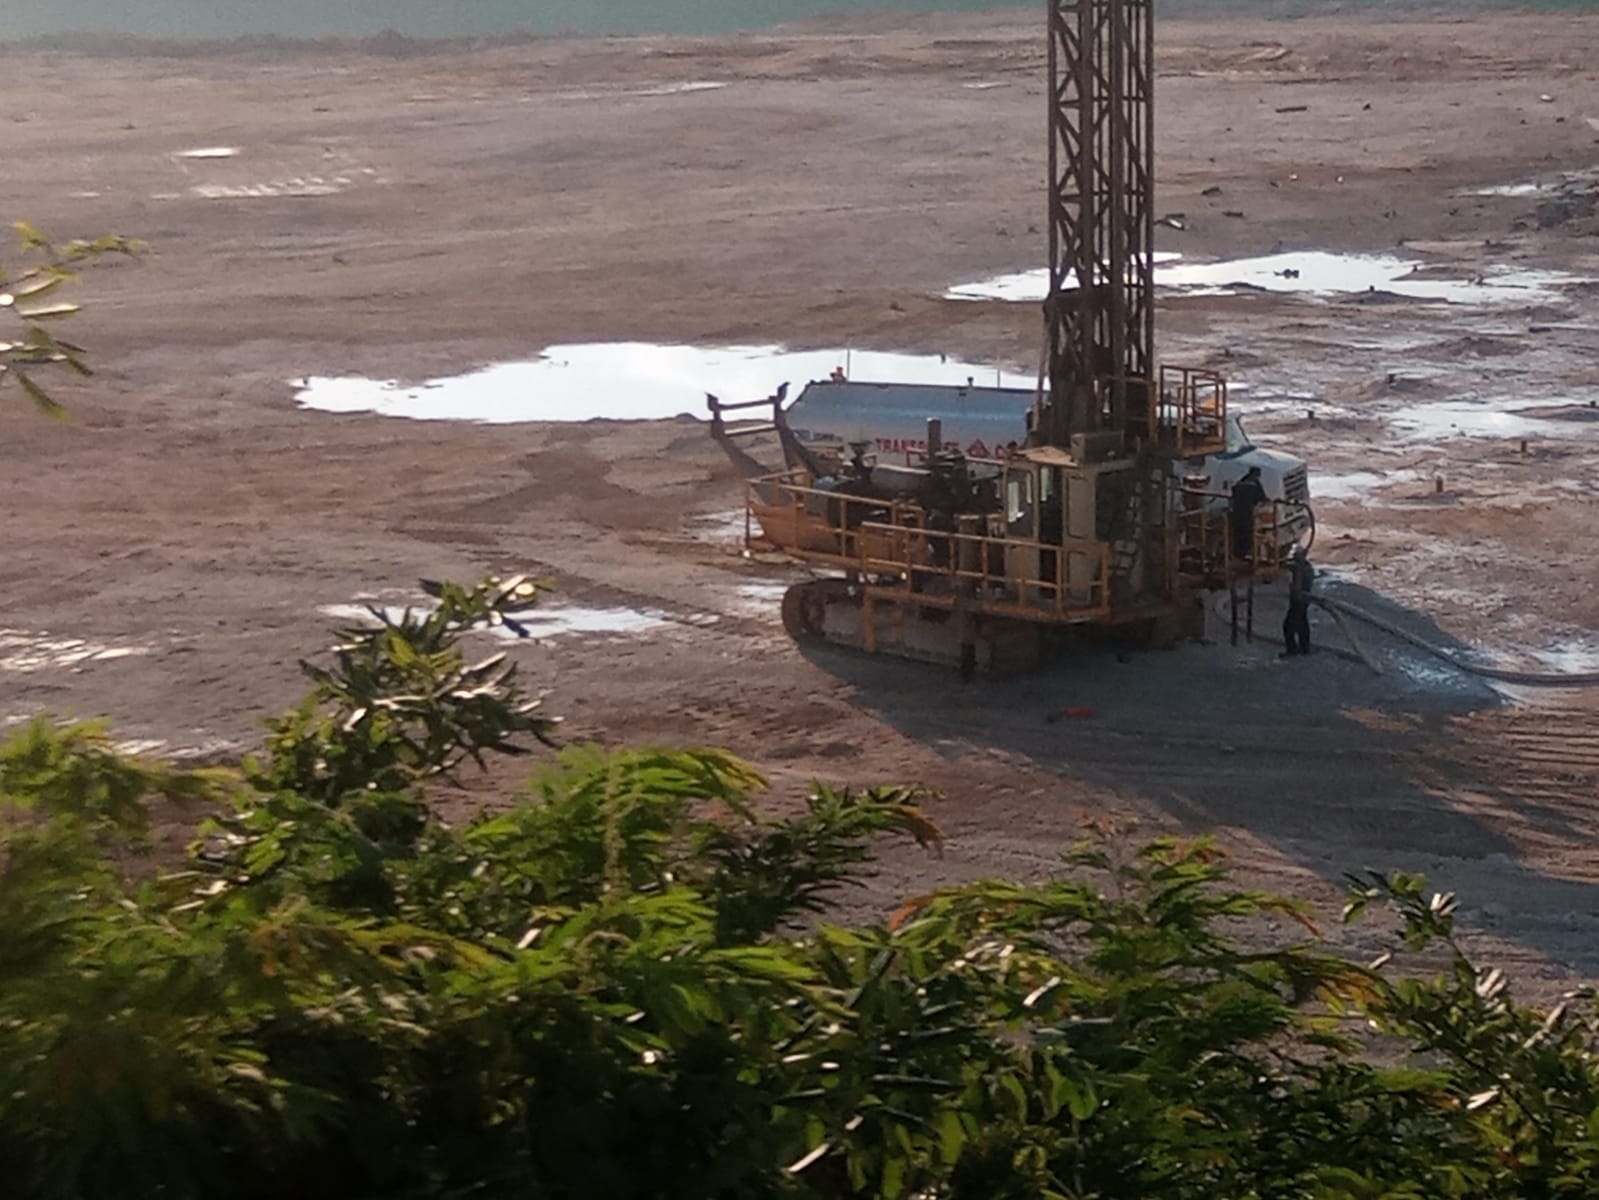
(1572, 206)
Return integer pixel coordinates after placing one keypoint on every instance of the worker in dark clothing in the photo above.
(1248, 495)
(1296, 625)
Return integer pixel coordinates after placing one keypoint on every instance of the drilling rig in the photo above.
(1098, 520)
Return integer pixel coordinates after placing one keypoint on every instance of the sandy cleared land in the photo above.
(167, 553)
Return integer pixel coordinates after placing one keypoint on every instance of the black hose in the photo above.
(1503, 675)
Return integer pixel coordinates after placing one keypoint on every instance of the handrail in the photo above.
(887, 542)
(913, 557)
(1213, 522)
(824, 523)
(1193, 404)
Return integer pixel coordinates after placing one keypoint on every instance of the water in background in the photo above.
(442, 18)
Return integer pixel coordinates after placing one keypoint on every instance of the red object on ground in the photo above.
(1070, 714)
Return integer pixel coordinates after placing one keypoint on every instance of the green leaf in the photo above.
(1080, 1099)
(32, 239)
(38, 395)
(1016, 1093)
(893, 1183)
(951, 1135)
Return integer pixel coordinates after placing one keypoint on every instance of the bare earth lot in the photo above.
(165, 555)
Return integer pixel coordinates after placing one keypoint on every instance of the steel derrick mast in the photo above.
(1099, 314)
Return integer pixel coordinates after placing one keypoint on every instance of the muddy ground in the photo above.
(166, 554)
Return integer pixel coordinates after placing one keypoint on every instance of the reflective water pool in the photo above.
(627, 381)
(1311, 272)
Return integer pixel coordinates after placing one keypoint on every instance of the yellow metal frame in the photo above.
(1186, 414)
(913, 559)
(1193, 404)
(896, 560)
(818, 538)
(1203, 523)
(904, 547)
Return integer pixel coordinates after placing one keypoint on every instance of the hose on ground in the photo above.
(1502, 674)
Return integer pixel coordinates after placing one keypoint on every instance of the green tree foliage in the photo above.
(30, 303)
(624, 985)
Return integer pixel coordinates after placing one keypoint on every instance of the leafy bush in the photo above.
(620, 988)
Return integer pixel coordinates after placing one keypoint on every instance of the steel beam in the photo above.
(1099, 315)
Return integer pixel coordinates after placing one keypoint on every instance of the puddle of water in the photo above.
(680, 89)
(1320, 273)
(984, 85)
(1310, 272)
(1030, 286)
(547, 621)
(1509, 189)
(726, 526)
(361, 614)
(631, 381)
(1482, 420)
(26, 653)
(1356, 485)
(760, 599)
(209, 152)
(556, 622)
(145, 747)
(315, 186)
(1265, 404)
(602, 91)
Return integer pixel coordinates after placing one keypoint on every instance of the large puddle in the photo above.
(1481, 419)
(628, 381)
(1309, 272)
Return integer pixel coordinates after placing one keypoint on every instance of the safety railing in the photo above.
(1186, 413)
(1206, 549)
(1126, 403)
(986, 572)
(817, 524)
(1192, 410)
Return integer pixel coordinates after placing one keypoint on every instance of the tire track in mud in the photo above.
(1539, 765)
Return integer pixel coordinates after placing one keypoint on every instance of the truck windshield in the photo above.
(1237, 440)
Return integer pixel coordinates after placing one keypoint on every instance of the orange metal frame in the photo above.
(903, 548)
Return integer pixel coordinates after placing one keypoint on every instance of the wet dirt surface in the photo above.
(175, 545)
